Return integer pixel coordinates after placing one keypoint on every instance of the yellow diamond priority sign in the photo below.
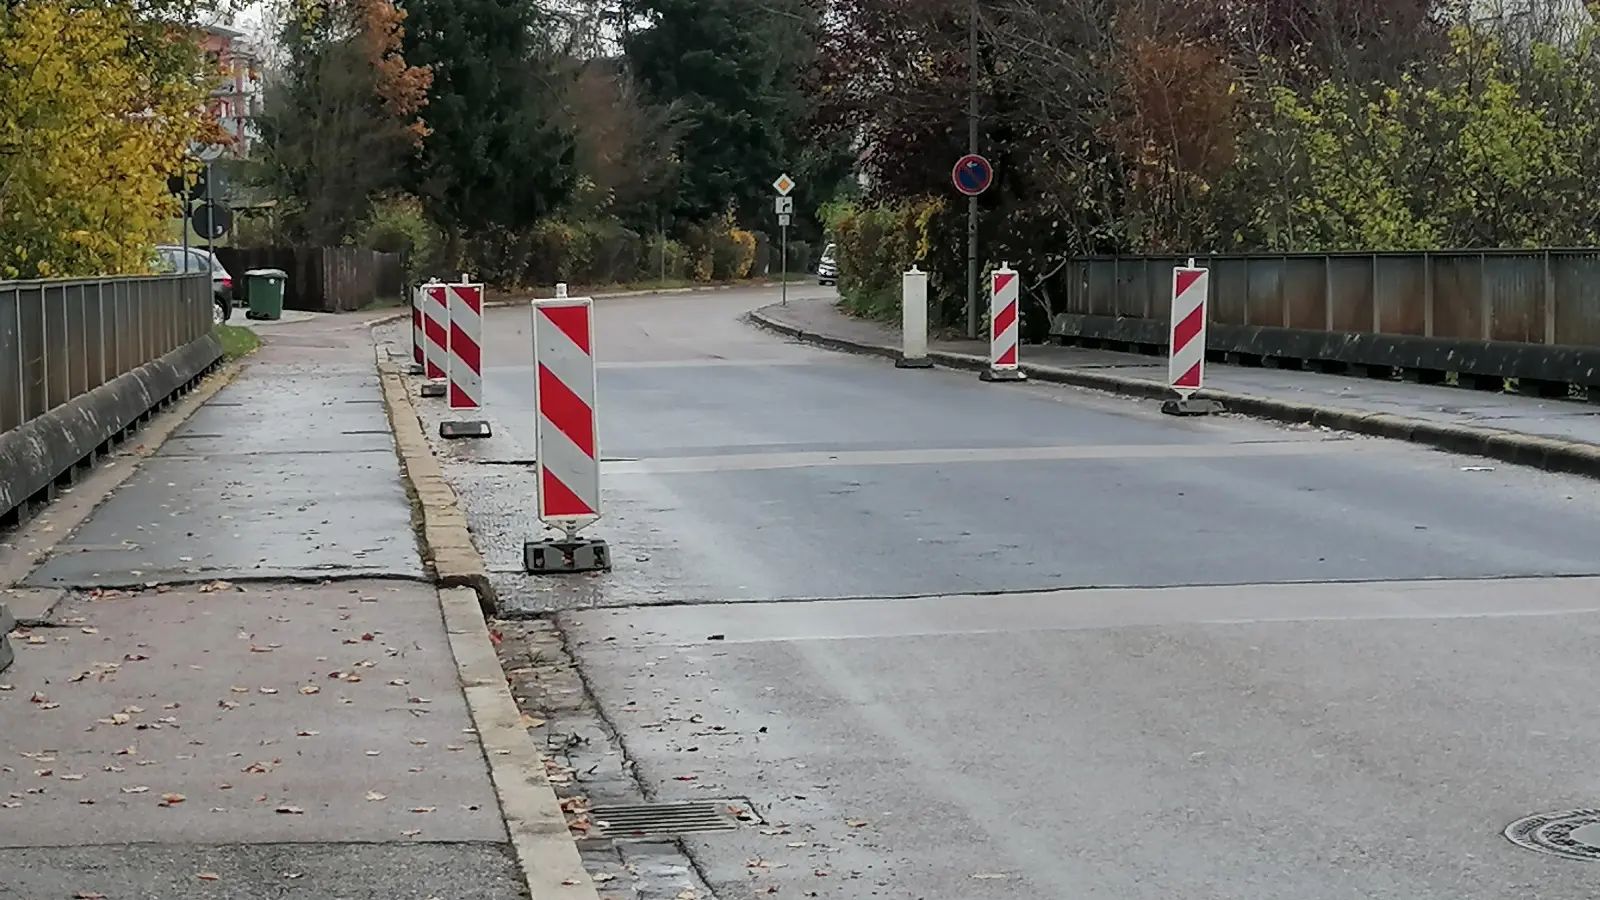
(783, 185)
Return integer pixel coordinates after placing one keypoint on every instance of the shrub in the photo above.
(874, 246)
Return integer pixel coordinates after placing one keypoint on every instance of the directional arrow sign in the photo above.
(783, 185)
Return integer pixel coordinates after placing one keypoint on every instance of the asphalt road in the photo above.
(1023, 641)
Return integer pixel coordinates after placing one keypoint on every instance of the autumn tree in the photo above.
(342, 119)
(98, 104)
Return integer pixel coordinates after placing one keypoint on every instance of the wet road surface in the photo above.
(1024, 641)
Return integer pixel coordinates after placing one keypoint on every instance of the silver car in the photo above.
(827, 267)
(172, 259)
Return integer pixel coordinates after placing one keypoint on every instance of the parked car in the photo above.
(827, 267)
(175, 259)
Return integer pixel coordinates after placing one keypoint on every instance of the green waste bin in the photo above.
(263, 290)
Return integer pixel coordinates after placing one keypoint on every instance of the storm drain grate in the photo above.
(1574, 834)
(656, 819)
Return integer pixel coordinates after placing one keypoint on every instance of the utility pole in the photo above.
(972, 150)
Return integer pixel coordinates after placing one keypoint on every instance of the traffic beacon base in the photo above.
(918, 362)
(569, 554)
(416, 369)
(1189, 406)
(431, 389)
(992, 374)
(468, 429)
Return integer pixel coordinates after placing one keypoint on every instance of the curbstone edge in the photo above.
(546, 852)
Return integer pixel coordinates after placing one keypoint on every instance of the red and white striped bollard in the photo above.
(1005, 325)
(566, 435)
(436, 325)
(464, 371)
(1186, 348)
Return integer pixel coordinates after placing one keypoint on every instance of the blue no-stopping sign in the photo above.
(972, 175)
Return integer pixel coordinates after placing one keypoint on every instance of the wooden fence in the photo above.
(325, 279)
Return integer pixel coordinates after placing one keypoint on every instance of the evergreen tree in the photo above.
(729, 70)
(499, 155)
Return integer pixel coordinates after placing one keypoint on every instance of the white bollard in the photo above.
(561, 290)
(914, 320)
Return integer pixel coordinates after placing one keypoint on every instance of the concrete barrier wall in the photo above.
(82, 362)
(1531, 315)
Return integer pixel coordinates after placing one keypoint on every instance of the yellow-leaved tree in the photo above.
(98, 103)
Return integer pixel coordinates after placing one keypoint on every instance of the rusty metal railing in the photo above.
(60, 339)
(1549, 297)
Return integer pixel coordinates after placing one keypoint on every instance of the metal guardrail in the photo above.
(1549, 297)
(61, 339)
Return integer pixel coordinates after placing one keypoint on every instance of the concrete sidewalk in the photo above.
(247, 689)
(1561, 435)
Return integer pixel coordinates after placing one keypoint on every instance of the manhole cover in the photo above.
(1574, 834)
(656, 819)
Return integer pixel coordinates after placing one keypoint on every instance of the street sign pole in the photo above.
(784, 205)
(972, 150)
(211, 227)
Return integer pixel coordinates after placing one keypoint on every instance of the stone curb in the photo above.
(448, 542)
(545, 850)
(544, 846)
(614, 295)
(1535, 451)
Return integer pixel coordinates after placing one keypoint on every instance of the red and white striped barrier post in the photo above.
(419, 353)
(1186, 354)
(1005, 314)
(566, 436)
(436, 325)
(465, 369)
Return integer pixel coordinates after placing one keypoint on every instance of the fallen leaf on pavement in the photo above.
(411, 832)
(138, 789)
(289, 810)
(531, 722)
(398, 682)
(128, 751)
(602, 877)
(87, 801)
(135, 657)
(310, 689)
(374, 795)
(72, 778)
(172, 799)
(423, 809)
(91, 631)
(419, 741)
(255, 649)
(306, 733)
(373, 752)
(269, 690)
(239, 690)
(207, 876)
(228, 704)
(856, 823)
